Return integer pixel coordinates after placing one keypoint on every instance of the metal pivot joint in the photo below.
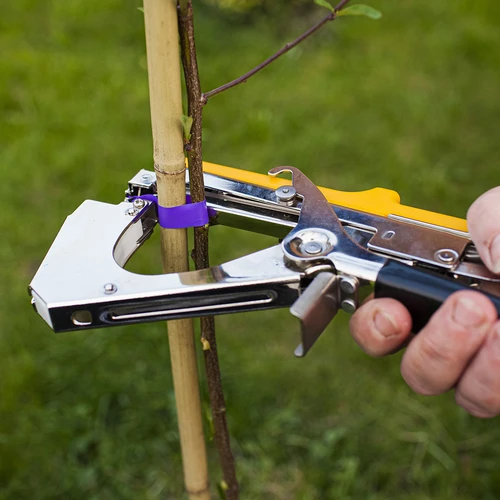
(319, 244)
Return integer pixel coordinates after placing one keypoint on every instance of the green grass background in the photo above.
(410, 102)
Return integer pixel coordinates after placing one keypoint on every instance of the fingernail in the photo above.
(495, 254)
(385, 324)
(467, 313)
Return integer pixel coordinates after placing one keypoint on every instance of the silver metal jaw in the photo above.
(330, 259)
(82, 283)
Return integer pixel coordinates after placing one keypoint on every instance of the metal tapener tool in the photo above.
(321, 266)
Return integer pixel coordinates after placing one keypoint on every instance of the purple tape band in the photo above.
(181, 217)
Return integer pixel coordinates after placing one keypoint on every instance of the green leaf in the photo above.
(222, 487)
(187, 123)
(141, 9)
(360, 10)
(210, 420)
(325, 4)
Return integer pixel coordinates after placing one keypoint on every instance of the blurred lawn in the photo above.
(410, 102)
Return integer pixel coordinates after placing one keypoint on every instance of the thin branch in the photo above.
(341, 5)
(289, 46)
(197, 190)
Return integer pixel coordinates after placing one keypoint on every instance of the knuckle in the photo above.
(493, 358)
(436, 352)
(491, 403)
(417, 382)
(477, 412)
(487, 407)
(485, 396)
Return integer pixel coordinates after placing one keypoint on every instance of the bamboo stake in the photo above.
(162, 42)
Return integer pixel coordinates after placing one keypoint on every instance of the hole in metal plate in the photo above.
(81, 318)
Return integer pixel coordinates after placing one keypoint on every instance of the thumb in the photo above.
(484, 227)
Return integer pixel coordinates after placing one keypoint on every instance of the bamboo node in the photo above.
(199, 492)
(160, 171)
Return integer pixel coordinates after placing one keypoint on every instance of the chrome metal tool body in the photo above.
(331, 257)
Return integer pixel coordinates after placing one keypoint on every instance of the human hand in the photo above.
(460, 345)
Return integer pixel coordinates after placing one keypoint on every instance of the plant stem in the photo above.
(160, 17)
(289, 46)
(201, 256)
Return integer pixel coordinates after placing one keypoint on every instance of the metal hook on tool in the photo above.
(320, 244)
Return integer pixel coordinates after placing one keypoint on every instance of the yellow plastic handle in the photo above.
(377, 201)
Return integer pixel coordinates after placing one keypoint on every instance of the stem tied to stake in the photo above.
(193, 149)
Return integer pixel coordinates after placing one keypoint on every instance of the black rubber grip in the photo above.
(421, 291)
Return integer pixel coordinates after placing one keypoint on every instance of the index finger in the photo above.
(483, 219)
